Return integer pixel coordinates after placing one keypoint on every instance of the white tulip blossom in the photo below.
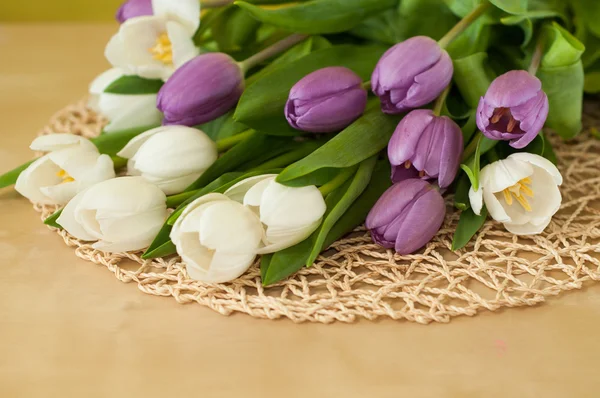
(123, 111)
(289, 214)
(217, 238)
(154, 46)
(171, 157)
(72, 165)
(122, 214)
(520, 191)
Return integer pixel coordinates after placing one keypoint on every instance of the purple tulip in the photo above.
(203, 89)
(134, 8)
(411, 74)
(325, 101)
(514, 109)
(407, 216)
(426, 146)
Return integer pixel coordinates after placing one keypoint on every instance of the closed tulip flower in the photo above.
(407, 216)
(411, 74)
(171, 157)
(426, 146)
(72, 165)
(122, 214)
(520, 191)
(326, 100)
(514, 109)
(202, 90)
(289, 215)
(154, 46)
(217, 238)
(123, 111)
(133, 8)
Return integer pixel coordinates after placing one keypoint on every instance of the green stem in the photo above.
(119, 162)
(464, 23)
(441, 100)
(492, 155)
(367, 85)
(271, 51)
(537, 56)
(288, 158)
(338, 180)
(215, 3)
(229, 142)
(175, 200)
(472, 147)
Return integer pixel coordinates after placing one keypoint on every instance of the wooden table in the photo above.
(68, 328)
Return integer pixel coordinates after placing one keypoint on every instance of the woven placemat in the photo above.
(357, 279)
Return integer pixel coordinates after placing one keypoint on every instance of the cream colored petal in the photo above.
(529, 228)
(133, 111)
(57, 142)
(115, 52)
(186, 12)
(141, 227)
(78, 163)
(183, 46)
(238, 191)
(60, 193)
(172, 186)
(289, 207)
(285, 239)
(128, 245)
(224, 267)
(186, 224)
(476, 199)
(506, 173)
(70, 224)
(494, 207)
(136, 142)
(105, 79)
(540, 162)
(41, 173)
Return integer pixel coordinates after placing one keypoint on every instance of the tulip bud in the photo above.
(171, 157)
(133, 8)
(325, 101)
(289, 214)
(411, 74)
(72, 165)
(203, 89)
(121, 214)
(407, 216)
(513, 109)
(426, 146)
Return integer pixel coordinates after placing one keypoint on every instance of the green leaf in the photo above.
(473, 165)
(222, 127)
(233, 29)
(51, 220)
(356, 188)
(473, 77)
(517, 7)
(159, 244)
(562, 77)
(261, 107)
(364, 138)
(134, 85)
(470, 127)
(318, 16)
(461, 192)
(282, 264)
(468, 225)
(592, 83)
(317, 177)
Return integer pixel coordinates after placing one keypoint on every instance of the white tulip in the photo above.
(171, 157)
(217, 238)
(290, 215)
(154, 46)
(72, 165)
(520, 191)
(122, 214)
(122, 111)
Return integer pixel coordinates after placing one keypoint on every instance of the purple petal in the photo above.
(429, 84)
(404, 141)
(393, 202)
(512, 89)
(452, 150)
(532, 115)
(134, 8)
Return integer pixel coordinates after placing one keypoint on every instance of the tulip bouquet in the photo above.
(272, 129)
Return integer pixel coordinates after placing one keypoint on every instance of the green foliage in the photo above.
(134, 85)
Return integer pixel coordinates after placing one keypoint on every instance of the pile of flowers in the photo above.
(246, 130)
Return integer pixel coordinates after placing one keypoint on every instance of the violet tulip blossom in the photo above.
(326, 100)
(134, 8)
(411, 74)
(407, 216)
(426, 146)
(201, 90)
(514, 109)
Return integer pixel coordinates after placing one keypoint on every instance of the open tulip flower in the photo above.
(411, 74)
(171, 157)
(123, 111)
(121, 214)
(325, 101)
(514, 109)
(72, 165)
(154, 46)
(520, 191)
(426, 146)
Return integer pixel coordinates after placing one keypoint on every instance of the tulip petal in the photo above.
(541, 162)
(224, 267)
(115, 52)
(183, 46)
(42, 172)
(529, 228)
(137, 227)
(429, 84)
(179, 228)
(289, 207)
(512, 89)
(70, 224)
(61, 193)
(132, 111)
(103, 80)
(136, 142)
(254, 195)
(404, 141)
(122, 246)
(282, 239)
(56, 142)
(450, 153)
(186, 12)
(506, 173)
(172, 186)
(476, 199)
(238, 191)
(393, 202)
(494, 206)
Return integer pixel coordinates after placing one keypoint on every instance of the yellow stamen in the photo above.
(512, 123)
(407, 164)
(497, 115)
(524, 203)
(519, 191)
(508, 197)
(163, 49)
(65, 177)
(421, 174)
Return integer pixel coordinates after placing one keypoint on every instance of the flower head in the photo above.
(202, 90)
(326, 100)
(171, 157)
(122, 214)
(514, 109)
(132, 9)
(72, 165)
(426, 146)
(411, 74)
(407, 216)
(520, 191)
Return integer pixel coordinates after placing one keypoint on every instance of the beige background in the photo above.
(69, 329)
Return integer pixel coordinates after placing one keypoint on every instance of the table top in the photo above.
(68, 328)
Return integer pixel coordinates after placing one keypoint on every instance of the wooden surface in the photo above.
(69, 329)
